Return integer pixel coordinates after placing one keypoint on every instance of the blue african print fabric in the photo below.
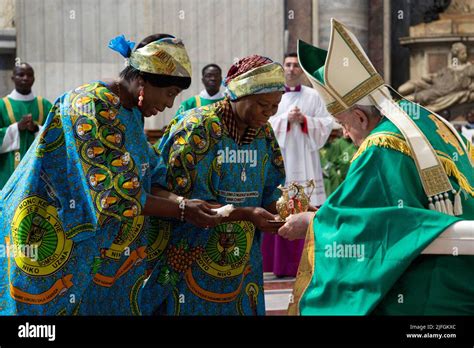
(70, 214)
(217, 271)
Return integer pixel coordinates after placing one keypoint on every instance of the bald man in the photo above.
(21, 117)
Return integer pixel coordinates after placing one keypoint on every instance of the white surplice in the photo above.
(301, 149)
(468, 133)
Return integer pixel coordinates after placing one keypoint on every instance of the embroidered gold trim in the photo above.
(396, 143)
(470, 150)
(335, 107)
(384, 140)
(435, 178)
(39, 100)
(452, 170)
(305, 272)
(445, 133)
(363, 89)
(10, 113)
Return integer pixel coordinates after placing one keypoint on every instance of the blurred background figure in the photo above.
(302, 126)
(468, 129)
(336, 157)
(21, 117)
(211, 79)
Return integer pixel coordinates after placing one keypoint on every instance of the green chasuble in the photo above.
(195, 102)
(335, 160)
(12, 111)
(363, 249)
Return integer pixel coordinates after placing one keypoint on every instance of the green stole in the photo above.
(11, 111)
(195, 102)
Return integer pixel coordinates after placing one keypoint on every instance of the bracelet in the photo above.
(182, 206)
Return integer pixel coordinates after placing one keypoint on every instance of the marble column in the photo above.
(7, 45)
(299, 22)
(354, 14)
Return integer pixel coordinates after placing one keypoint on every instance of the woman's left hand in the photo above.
(200, 213)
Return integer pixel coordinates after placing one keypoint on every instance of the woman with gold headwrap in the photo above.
(225, 153)
(72, 214)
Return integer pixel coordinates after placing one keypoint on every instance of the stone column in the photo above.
(299, 22)
(7, 45)
(354, 14)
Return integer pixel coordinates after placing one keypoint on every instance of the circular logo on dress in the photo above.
(112, 135)
(128, 233)
(159, 234)
(129, 183)
(179, 140)
(215, 130)
(98, 179)
(37, 230)
(227, 251)
(118, 161)
(109, 201)
(198, 140)
(93, 151)
(104, 113)
(84, 128)
(128, 208)
(189, 158)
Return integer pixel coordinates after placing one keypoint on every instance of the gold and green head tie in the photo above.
(254, 75)
(166, 56)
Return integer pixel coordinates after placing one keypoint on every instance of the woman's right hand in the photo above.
(260, 217)
(200, 213)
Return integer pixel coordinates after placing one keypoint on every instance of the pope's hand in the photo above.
(296, 226)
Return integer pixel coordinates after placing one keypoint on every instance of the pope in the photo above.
(409, 181)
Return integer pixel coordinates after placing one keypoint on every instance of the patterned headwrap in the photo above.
(162, 57)
(254, 75)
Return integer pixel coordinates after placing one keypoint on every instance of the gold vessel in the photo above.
(294, 199)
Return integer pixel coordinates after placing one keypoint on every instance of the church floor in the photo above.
(277, 293)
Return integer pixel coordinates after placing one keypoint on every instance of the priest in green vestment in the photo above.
(212, 80)
(384, 242)
(335, 156)
(21, 117)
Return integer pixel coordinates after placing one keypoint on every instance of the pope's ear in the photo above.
(361, 118)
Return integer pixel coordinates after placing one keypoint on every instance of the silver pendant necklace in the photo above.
(243, 174)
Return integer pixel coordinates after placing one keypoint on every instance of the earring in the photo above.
(141, 97)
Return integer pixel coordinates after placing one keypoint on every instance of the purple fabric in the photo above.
(281, 256)
(293, 89)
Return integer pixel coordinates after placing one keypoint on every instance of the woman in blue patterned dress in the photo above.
(72, 215)
(224, 153)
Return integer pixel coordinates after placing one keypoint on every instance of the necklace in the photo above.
(243, 174)
(243, 164)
